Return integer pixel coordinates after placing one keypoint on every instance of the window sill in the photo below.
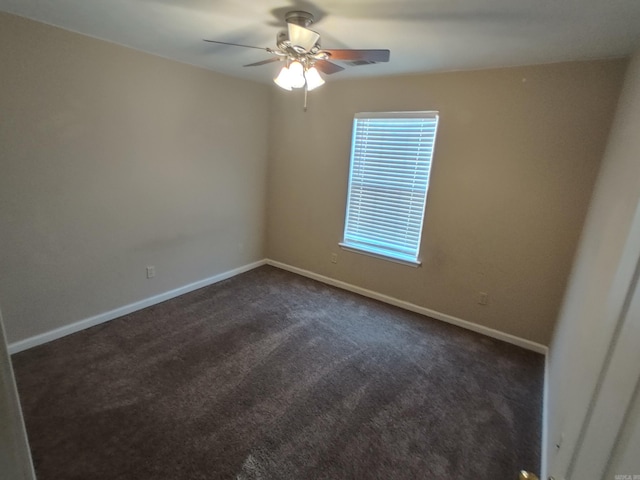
(361, 251)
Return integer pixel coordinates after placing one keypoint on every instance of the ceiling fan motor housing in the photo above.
(298, 17)
(298, 21)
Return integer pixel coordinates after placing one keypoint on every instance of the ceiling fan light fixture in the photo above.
(300, 48)
(283, 80)
(314, 80)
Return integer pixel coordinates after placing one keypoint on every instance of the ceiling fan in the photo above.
(300, 48)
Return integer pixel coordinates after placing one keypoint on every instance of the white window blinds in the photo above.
(391, 156)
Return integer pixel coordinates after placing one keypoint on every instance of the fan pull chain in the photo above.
(305, 97)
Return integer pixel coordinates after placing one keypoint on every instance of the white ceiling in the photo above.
(423, 35)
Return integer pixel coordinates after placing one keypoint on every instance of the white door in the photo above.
(612, 428)
(15, 458)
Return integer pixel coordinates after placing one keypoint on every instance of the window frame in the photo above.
(371, 250)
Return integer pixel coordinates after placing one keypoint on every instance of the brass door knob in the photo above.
(527, 476)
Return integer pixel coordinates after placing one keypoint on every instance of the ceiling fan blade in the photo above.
(263, 62)
(302, 37)
(327, 67)
(359, 55)
(235, 44)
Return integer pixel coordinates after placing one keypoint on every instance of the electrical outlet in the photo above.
(483, 298)
(334, 258)
(151, 271)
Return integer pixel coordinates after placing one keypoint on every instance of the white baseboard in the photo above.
(489, 332)
(147, 302)
(125, 310)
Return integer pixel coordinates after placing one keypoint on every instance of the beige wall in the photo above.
(602, 276)
(112, 160)
(516, 157)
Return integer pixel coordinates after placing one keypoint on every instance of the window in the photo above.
(391, 156)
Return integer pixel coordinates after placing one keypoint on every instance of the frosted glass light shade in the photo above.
(283, 80)
(296, 75)
(314, 80)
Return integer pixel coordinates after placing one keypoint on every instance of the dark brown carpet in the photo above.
(270, 375)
